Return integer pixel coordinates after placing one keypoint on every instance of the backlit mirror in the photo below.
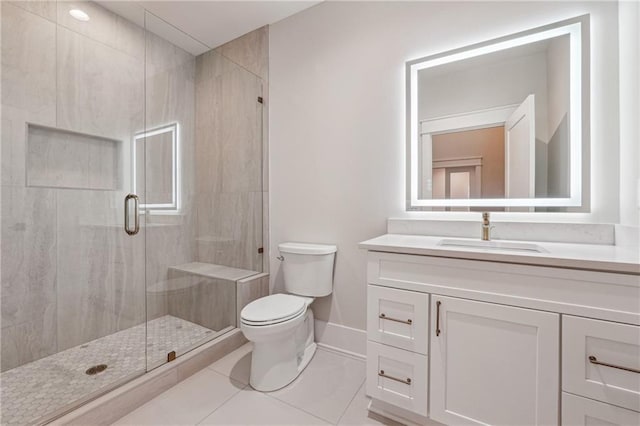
(155, 153)
(499, 124)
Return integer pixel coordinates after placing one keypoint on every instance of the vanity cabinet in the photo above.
(484, 342)
(493, 364)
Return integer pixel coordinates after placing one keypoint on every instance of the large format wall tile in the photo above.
(28, 84)
(100, 89)
(44, 8)
(28, 274)
(28, 63)
(229, 155)
(106, 27)
(230, 229)
(100, 268)
(229, 127)
(208, 302)
(251, 51)
(28, 341)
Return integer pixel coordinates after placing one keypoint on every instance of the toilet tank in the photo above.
(308, 268)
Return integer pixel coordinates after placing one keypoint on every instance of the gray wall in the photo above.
(69, 272)
(229, 151)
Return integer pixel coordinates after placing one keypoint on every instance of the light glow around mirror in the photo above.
(574, 30)
(173, 130)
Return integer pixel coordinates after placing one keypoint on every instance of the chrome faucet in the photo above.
(486, 227)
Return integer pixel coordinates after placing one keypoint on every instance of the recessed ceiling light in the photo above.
(79, 15)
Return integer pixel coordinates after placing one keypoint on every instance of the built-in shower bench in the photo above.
(210, 270)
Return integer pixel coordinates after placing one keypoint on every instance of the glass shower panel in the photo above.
(198, 249)
(167, 156)
(72, 279)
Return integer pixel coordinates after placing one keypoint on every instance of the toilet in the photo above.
(281, 325)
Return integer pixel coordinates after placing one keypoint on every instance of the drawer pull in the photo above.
(594, 360)
(406, 381)
(384, 317)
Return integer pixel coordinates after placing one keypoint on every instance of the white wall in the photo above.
(337, 143)
(629, 113)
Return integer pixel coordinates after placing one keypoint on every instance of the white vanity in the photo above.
(468, 332)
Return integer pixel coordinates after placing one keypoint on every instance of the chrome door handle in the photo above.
(406, 381)
(384, 317)
(136, 221)
(594, 360)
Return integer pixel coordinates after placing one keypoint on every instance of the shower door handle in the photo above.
(136, 211)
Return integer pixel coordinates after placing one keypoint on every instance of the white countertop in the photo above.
(595, 257)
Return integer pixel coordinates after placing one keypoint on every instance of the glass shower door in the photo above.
(72, 278)
(204, 191)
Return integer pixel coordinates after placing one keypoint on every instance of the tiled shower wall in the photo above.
(231, 151)
(69, 272)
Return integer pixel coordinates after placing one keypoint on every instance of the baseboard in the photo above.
(341, 339)
(399, 415)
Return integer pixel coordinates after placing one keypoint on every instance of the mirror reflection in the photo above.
(494, 122)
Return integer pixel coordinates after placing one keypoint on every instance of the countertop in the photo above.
(593, 257)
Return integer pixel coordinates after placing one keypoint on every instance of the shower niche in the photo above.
(58, 158)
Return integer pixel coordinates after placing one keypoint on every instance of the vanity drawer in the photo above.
(579, 411)
(587, 342)
(398, 318)
(397, 377)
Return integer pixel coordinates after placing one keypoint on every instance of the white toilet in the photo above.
(281, 325)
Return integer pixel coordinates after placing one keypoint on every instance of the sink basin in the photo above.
(493, 245)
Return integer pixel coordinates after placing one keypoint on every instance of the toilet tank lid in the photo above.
(307, 248)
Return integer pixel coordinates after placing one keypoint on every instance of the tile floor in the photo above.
(40, 389)
(329, 392)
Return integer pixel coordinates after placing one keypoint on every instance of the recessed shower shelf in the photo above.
(211, 270)
(60, 158)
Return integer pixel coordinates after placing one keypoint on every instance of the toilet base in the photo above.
(276, 363)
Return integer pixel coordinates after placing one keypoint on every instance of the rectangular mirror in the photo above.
(499, 124)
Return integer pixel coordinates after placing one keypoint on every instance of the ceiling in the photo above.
(198, 26)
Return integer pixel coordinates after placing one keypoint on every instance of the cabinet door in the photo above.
(578, 411)
(493, 364)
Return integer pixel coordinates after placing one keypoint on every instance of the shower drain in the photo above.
(96, 369)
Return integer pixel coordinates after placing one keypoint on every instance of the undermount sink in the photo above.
(493, 245)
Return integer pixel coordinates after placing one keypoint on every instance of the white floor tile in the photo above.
(236, 365)
(358, 414)
(187, 403)
(326, 387)
(249, 407)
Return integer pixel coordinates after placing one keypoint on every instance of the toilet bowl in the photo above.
(281, 326)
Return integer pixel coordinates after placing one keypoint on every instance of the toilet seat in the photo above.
(273, 309)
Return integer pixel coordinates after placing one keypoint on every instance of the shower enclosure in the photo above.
(131, 200)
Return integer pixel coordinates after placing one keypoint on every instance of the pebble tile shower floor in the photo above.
(51, 385)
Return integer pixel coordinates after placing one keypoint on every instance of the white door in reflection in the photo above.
(520, 151)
